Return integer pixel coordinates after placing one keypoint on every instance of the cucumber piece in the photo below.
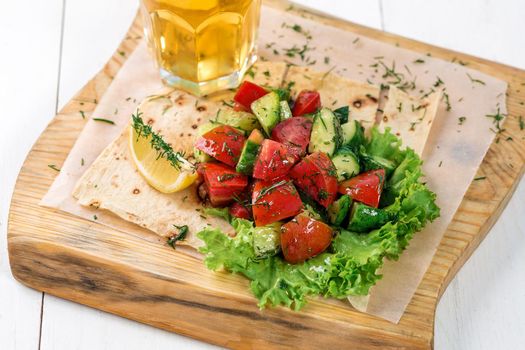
(284, 94)
(249, 153)
(267, 111)
(353, 134)
(338, 210)
(286, 112)
(375, 162)
(241, 120)
(342, 114)
(199, 155)
(364, 218)
(325, 135)
(267, 240)
(312, 208)
(346, 164)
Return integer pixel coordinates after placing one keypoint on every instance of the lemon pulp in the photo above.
(158, 171)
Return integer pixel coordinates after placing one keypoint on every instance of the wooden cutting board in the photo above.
(148, 282)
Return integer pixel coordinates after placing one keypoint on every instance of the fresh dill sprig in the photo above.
(472, 80)
(496, 120)
(163, 149)
(107, 121)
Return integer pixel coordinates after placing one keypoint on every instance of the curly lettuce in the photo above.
(349, 266)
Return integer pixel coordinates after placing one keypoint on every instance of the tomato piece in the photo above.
(316, 175)
(223, 143)
(306, 102)
(222, 183)
(273, 161)
(365, 187)
(294, 133)
(240, 211)
(247, 93)
(239, 108)
(303, 238)
(274, 201)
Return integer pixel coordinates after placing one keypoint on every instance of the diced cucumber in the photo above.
(241, 120)
(199, 155)
(267, 111)
(267, 240)
(353, 134)
(286, 112)
(346, 163)
(325, 134)
(312, 208)
(364, 218)
(375, 162)
(342, 114)
(249, 153)
(284, 94)
(338, 210)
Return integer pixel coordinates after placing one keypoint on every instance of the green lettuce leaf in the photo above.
(349, 266)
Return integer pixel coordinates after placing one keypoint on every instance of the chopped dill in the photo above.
(472, 80)
(102, 120)
(54, 167)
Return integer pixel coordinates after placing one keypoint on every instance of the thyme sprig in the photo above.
(156, 141)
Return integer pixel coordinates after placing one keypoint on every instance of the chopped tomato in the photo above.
(239, 108)
(223, 143)
(247, 93)
(303, 238)
(366, 187)
(222, 183)
(306, 102)
(294, 133)
(316, 175)
(274, 201)
(240, 211)
(273, 161)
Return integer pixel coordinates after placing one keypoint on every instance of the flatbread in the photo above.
(336, 91)
(113, 183)
(410, 118)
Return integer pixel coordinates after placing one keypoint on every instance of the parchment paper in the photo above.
(452, 155)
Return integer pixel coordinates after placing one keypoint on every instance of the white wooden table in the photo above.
(49, 49)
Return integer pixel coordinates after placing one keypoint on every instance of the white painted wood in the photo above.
(481, 308)
(491, 29)
(29, 47)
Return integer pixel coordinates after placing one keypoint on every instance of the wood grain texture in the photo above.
(91, 264)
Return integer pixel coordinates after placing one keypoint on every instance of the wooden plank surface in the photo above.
(73, 329)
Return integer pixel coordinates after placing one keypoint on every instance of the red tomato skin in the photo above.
(240, 211)
(223, 143)
(316, 175)
(303, 238)
(294, 133)
(247, 93)
(365, 187)
(281, 202)
(239, 108)
(222, 183)
(306, 102)
(273, 161)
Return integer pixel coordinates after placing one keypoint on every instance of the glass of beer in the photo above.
(202, 46)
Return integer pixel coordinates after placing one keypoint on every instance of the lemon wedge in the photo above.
(158, 171)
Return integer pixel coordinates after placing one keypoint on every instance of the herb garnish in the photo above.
(461, 120)
(183, 231)
(82, 161)
(82, 114)
(104, 121)
(480, 178)
(54, 167)
(472, 80)
(496, 119)
(163, 149)
(419, 61)
(521, 122)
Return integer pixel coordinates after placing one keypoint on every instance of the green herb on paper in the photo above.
(419, 61)
(107, 121)
(472, 80)
(496, 121)
(461, 120)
